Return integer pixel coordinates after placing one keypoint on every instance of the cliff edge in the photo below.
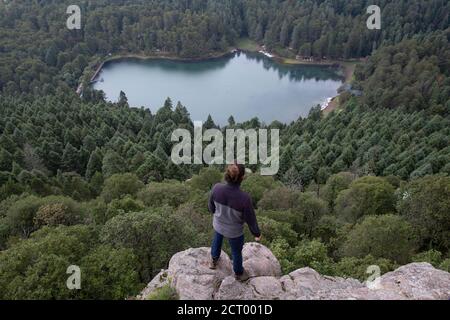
(189, 275)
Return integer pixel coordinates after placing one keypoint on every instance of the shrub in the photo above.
(20, 216)
(120, 185)
(56, 210)
(256, 185)
(386, 236)
(165, 193)
(445, 265)
(287, 216)
(433, 257)
(311, 208)
(206, 179)
(327, 228)
(352, 267)
(164, 293)
(109, 273)
(313, 254)
(280, 198)
(154, 236)
(122, 206)
(335, 184)
(36, 268)
(366, 196)
(271, 229)
(283, 252)
(96, 211)
(425, 203)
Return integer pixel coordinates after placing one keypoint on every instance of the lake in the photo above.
(245, 85)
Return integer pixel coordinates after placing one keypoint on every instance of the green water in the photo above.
(243, 85)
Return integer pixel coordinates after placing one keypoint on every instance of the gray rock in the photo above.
(417, 281)
(258, 288)
(159, 281)
(260, 261)
(308, 284)
(190, 275)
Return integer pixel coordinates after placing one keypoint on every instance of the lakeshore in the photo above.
(346, 67)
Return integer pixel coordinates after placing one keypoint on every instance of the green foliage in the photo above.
(56, 149)
(425, 203)
(109, 273)
(432, 256)
(164, 194)
(280, 198)
(96, 211)
(386, 236)
(327, 228)
(256, 185)
(282, 251)
(334, 185)
(206, 179)
(272, 230)
(57, 210)
(313, 254)
(445, 265)
(20, 216)
(394, 74)
(352, 267)
(154, 236)
(120, 185)
(121, 206)
(36, 268)
(365, 196)
(113, 164)
(164, 293)
(312, 209)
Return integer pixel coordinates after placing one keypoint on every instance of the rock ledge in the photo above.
(189, 274)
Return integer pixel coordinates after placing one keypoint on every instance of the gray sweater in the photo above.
(232, 208)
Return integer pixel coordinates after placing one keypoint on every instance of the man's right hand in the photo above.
(258, 239)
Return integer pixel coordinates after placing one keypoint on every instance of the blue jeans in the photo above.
(236, 245)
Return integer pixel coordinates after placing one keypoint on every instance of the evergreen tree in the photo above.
(95, 164)
(112, 164)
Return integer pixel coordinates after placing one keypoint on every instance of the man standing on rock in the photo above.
(232, 208)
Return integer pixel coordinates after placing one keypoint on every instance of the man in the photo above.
(232, 208)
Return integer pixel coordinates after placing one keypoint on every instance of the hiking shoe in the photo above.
(213, 264)
(242, 277)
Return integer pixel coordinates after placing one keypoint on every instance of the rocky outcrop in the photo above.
(189, 274)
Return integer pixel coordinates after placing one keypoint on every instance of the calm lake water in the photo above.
(243, 85)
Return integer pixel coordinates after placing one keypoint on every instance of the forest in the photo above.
(39, 55)
(88, 182)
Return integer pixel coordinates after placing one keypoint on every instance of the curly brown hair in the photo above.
(235, 173)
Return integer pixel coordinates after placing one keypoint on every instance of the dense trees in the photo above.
(155, 235)
(87, 182)
(127, 240)
(36, 268)
(386, 236)
(413, 74)
(40, 55)
(425, 203)
(382, 142)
